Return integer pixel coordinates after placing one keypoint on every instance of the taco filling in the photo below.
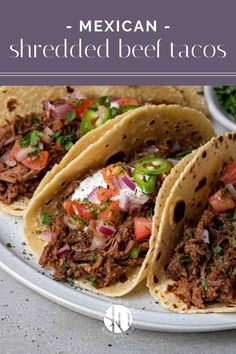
(204, 261)
(103, 222)
(31, 145)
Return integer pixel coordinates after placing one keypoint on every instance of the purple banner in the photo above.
(123, 42)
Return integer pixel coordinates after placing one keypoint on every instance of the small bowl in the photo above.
(217, 112)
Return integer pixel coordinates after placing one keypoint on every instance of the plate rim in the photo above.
(95, 308)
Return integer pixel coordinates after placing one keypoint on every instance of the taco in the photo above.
(92, 223)
(35, 143)
(20, 100)
(188, 96)
(194, 262)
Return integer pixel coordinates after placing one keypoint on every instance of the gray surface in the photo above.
(31, 324)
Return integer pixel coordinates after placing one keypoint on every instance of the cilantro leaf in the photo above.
(203, 283)
(46, 219)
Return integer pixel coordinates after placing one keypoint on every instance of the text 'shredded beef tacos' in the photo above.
(194, 262)
(36, 143)
(93, 222)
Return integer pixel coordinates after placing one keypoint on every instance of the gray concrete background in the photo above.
(30, 324)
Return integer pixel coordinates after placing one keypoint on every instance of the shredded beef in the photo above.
(205, 272)
(110, 263)
(13, 179)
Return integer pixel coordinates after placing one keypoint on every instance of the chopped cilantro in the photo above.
(134, 253)
(71, 115)
(233, 243)
(68, 145)
(32, 138)
(230, 217)
(92, 280)
(185, 152)
(8, 245)
(69, 281)
(114, 111)
(46, 219)
(203, 283)
(233, 272)
(220, 258)
(66, 266)
(188, 233)
(34, 121)
(65, 138)
(185, 260)
(94, 256)
(105, 101)
(217, 249)
(38, 232)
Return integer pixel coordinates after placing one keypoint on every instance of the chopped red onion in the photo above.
(77, 94)
(7, 161)
(46, 235)
(23, 153)
(92, 197)
(151, 149)
(41, 146)
(175, 148)
(115, 104)
(134, 208)
(116, 182)
(61, 111)
(63, 250)
(124, 201)
(129, 183)
(102, 111)
(231, 189)
(205, 236)
(106, 230)
(98, 242)
(47, 135)
(130, 171)
(48, 106)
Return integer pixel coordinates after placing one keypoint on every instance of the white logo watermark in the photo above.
(118, 319)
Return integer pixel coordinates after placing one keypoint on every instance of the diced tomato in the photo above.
(229, 174)
(38, 162)
(82, 108)
(82, 210)
(110, 173)
(111, 212)
(221, 201)
(127, 101)
(142, 227)
(105, 194)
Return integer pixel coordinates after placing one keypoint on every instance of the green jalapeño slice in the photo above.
(146, 183)
(93, 118)
(153, 165)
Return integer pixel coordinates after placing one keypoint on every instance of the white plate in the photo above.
(146, 313)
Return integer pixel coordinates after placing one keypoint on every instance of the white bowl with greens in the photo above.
(221, 101)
